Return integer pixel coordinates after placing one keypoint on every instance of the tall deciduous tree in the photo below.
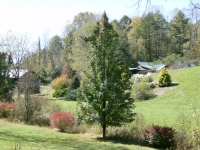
(103, 94)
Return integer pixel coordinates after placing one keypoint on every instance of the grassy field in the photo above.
(162, 110)
(166, 108)
(24, 137)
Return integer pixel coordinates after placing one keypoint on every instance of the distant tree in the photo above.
(179, 31)
(5, 81)
(55, 48)
(125, 21)
(103, 93)
(122, 46)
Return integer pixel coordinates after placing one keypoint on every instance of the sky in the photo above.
(36, 17)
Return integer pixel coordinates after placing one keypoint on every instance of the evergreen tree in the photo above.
(164, 78)
(102, 97)
(179, 31)
(5, 81)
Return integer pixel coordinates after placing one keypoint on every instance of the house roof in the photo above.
(13, 73)
(152, 66)
(137, 69)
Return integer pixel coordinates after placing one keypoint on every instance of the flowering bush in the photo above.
(5, 109)
(148, 78)
(137, 78)
(158, 136)
(62, 120)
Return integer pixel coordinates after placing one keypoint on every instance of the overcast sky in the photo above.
(36, 16)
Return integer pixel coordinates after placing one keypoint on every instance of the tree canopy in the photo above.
(103, 97)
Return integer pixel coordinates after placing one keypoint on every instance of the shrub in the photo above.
(62, 120)
(75, 82)
(6, 109)
(158, 136)
(164, 78)
(142, 91)
(147, 78)
(136, 78)
(71, 95)
(32, 109)
(43, 120)
(60, 92)
(60, 83)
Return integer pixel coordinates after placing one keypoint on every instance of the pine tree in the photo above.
(102, 96)
(164, 78)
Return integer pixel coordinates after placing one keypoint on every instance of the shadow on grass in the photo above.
(127, 141)
(59, 141)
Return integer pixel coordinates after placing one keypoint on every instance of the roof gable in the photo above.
(151, 66)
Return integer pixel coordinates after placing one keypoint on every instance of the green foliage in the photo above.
(142, 91)
(60, 92)
(43, 73)
(178, 31)
(75, 82)
(55, 72)
(164, 78)
(5, 81)
(102, 92)
(75, 47)
(71, 95)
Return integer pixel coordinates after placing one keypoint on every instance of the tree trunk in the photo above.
(104, 131)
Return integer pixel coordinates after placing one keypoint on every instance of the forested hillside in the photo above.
(150, 37)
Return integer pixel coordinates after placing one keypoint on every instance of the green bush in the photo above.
(71, 95)
(60, 92)
(142, 91)
(164, 78)
(75, 82)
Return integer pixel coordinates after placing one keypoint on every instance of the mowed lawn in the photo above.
(165, 110)
(24, 137)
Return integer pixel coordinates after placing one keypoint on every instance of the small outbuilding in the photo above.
(27, 80)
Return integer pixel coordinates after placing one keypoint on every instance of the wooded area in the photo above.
(149, 37)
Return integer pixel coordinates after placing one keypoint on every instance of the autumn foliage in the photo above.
(62, 120)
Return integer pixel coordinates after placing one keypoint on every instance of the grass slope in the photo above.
(24, 137)
(165, 109)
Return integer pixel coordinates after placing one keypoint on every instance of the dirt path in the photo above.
(162, 90)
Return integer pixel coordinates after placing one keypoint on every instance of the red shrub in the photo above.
(160, 136)
(5, 109)
(62, 120)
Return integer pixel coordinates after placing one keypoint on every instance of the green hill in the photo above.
(166, 109)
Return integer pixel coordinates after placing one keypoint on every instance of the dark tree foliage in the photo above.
(5, 81)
